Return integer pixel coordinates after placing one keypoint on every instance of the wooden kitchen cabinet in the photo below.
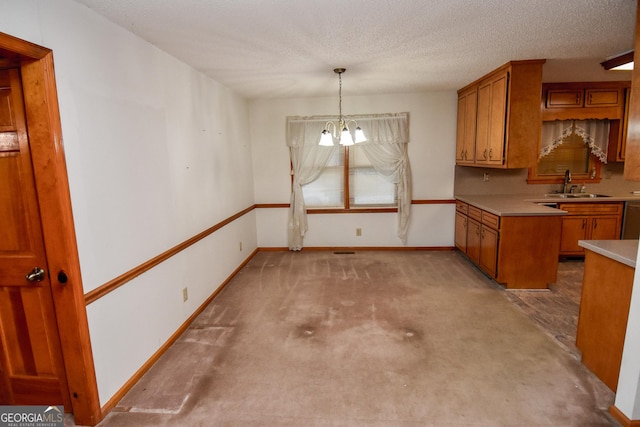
(519, 252)
(461, 226)
(490, 120)
(604, 310)
(507, 102)
(591, 101)
(564, 98)
(466, 127)
(589, 221)
(488, 250)
(474, 229)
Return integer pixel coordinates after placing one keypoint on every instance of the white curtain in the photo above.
(386, 148)
(308, 159)
(595, 134)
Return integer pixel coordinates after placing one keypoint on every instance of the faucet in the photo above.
(567, 180)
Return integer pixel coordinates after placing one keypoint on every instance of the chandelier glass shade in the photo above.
(340, 130)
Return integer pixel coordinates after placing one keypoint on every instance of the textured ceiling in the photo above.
(288, 48)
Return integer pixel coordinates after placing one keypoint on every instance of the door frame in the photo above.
(51, 180)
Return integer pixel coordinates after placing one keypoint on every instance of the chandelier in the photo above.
(331, 129)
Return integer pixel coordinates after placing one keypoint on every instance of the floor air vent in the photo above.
(344, 253)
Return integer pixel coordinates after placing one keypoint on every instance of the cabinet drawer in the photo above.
(461, 207)
(592, 208)
(475, 213)
(491, 220)
(602, 98)
(560, 98)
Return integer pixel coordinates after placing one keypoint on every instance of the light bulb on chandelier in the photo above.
(344, 138)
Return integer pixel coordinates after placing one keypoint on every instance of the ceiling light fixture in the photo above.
(344, 138)
(623, 61)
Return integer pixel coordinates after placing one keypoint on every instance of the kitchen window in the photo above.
(579, 146)
(369, 176)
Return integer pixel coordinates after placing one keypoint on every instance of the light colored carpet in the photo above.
(377, 338)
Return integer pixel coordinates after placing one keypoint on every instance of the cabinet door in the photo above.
(466, 136)
(574, 228)
(483, 123)
(489, 250)
(473, 240)
(498, 120)
(460, 134)
(461, 232)
(491, 120)
(603, 97)
(605, 228)
(564, 98)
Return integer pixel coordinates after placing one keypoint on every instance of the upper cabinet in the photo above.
(495, 117)
(584, 100)
(589, 101)
(466, 133)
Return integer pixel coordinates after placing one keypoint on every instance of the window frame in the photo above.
(347, 199)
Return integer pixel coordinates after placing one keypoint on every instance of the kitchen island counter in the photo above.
(609, 268)
(623, 251)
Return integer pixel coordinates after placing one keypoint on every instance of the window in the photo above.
(366, 187)
(577, 146)
(371, 175)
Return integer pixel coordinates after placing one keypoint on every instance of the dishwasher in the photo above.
(631, 220)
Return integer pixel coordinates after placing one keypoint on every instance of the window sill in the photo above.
(351, 210)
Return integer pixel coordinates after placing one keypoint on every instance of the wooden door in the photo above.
(31, 366)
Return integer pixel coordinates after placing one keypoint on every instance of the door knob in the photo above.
(36, 275)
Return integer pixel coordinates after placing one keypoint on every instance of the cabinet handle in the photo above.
(595, 223)
(577, 98)
(484, 154)
(584, 223)
(490, 153)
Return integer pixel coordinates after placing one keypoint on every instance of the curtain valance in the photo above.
(595, 134)
(391, 128)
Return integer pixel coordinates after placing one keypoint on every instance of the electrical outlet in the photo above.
(358, 231)
(185, 295)
(485, 177)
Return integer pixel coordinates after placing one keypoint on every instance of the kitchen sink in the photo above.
(576, 195)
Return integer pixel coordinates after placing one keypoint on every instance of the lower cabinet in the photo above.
(519, 252)
(589, 221)
(604, 310)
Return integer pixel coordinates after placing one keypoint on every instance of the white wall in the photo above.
(156, 153)
(431, 153)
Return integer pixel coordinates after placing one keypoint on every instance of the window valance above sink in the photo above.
(594, 133)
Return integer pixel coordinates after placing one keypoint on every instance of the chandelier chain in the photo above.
(340, 98)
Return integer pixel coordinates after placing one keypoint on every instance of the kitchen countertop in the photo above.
(509, 205)
(623, 251)
(528, 204)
